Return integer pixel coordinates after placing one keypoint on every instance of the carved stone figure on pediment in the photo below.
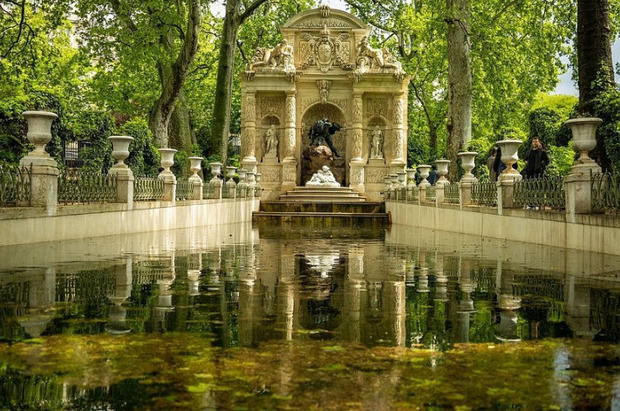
(376, 143)
(279, 58)
(325, 51)
(370, 58)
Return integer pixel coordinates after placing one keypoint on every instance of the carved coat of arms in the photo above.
(326, 51)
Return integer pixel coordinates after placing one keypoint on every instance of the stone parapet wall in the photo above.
(595, 233)
(80, 221)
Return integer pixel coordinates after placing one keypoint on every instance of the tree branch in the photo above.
(251, 9)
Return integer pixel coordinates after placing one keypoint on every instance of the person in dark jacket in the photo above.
(432, 175)
(536, 159)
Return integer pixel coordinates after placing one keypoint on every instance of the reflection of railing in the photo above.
(605, 192)
(484, 193)
(148, 189)
(452, 193)
(185, 190)
(79, 186)
(15, 185)
(540, 192)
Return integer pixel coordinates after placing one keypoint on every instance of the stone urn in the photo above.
(259, 190)
(230, 184)
(425, 171)
(442, 170)
(216, 169)
(510, 155)
(167, 159)
(242, 185)
(387, 184)
(468, 164)
(39, 130)
(195, 165)
(584, 138)
(394, 182)
(250, 177)
(411, 178)
(39, 134)
(402, 178)
(120, 149)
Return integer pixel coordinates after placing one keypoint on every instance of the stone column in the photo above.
(248, 132)
(398, 129)
(44, 177)
(124, 175)
(289, 163)
(356, 171)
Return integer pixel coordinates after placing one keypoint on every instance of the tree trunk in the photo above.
(180, 132)
(225, 69)
(593, 51)
(173, 77)
(459, 79)
(594, 61)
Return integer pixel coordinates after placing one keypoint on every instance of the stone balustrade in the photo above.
(583, 191)
(39, 182)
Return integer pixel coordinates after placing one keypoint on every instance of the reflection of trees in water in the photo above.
(605, 314)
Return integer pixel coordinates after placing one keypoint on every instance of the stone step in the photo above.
(320, 194)
(323, 199)
(320, 219)
(324, 207)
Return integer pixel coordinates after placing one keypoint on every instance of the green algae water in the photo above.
(271, 318)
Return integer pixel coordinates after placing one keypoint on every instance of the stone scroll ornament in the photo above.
(277, 59)
(373, 59)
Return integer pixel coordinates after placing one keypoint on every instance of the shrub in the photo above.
(95, 127)
(144, 159)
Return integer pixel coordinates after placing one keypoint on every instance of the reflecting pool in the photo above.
(237, 317)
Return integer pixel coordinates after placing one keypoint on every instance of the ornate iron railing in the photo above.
(484, 193)
(185, 190)
(605, 192)
(15, 185)
(148, 189)
(208, 191)
(431, 193)
(452, 193)
(413, 193)
(79, 186)
(540, 192)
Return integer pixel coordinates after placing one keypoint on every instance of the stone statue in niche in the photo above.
(271, 142)
(323, 178)
(376, 143)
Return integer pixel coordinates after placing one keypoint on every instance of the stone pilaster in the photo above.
(398, 130)
(356, 172)
(289, 163)
(248, 131)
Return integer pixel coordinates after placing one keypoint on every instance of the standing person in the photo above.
(536, 159)
(491, 164)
